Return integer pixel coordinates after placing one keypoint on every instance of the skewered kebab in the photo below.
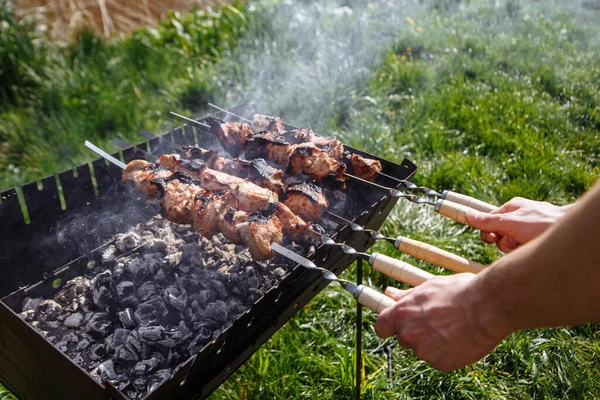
(447, 195)
(306, 200)
(244, 195)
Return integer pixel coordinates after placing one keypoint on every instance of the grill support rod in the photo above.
(359, 273)
(448, 195)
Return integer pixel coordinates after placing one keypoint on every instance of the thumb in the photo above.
(396, 294)
(485, 221)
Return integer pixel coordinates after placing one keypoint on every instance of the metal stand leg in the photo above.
(358, 333)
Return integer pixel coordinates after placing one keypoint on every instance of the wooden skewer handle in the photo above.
(467, 201)
(373, 300)
(454, 211)
(437, 256)
(399, 270)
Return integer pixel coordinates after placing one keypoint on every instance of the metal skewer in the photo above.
(448, 195)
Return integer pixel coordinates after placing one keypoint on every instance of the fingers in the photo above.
(506, 244)
(486, 222)
(396, 294)
(489, 237)
(386, 322)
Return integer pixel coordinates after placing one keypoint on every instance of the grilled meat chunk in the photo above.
(257, 171)
(307, 200)
(232, 136)
(262, 122)
(141, 173)
(365, 168)
(308, 159)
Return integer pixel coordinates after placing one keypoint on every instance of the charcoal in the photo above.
(127, 319)
(253, 295)
(32, 304)
(145, 310)
(125, 289)
(49, 310)
(159, 246)
(204, 296)
(98, 352)
(236, 307)
(62, 346)
(151, 334)
(107, 371)
(204, 335)
(217, 311)
(279, 272)
(78, 360)
(253, 282)
(109, 254)
(133, 342)
(99, 324)
(151, 312)
(173, 357)
(139, 272)
(125, 355)
(119, 338)
(101, 297)
(128, 241)
(83, 344)
(175, 297)
(159, 377)
(146, 291)
(143, 368)
(103, 278)
(218, 288)
(28, 315)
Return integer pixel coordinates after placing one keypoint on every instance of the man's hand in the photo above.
(516, 222)
(441, 321)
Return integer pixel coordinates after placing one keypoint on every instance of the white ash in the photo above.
(159, 296)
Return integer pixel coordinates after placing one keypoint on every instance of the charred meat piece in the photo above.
(365, 168)
(257, 171)
(141, 173)
(308, 159)
(209, 213)
(266, 176)
(232, 136)
(262, 146)
(307, 200)
(254, 230)
(262, 122)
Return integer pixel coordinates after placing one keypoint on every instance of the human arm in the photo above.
(516, 222)
(453, 321)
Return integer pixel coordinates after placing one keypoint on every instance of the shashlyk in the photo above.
(307, 200)
(299, 150)
(227, 206)
(364, 168)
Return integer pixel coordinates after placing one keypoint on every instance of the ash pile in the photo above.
(160, 294)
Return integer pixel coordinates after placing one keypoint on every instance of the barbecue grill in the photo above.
(73, 217)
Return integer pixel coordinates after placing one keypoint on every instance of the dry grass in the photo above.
(106, 17)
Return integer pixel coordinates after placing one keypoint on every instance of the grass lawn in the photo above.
(495, 101)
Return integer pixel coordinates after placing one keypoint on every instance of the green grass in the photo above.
(493, 101)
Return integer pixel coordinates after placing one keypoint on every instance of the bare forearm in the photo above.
(551, 281)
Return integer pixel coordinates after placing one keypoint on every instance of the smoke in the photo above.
(304, 58)
(309, 61)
